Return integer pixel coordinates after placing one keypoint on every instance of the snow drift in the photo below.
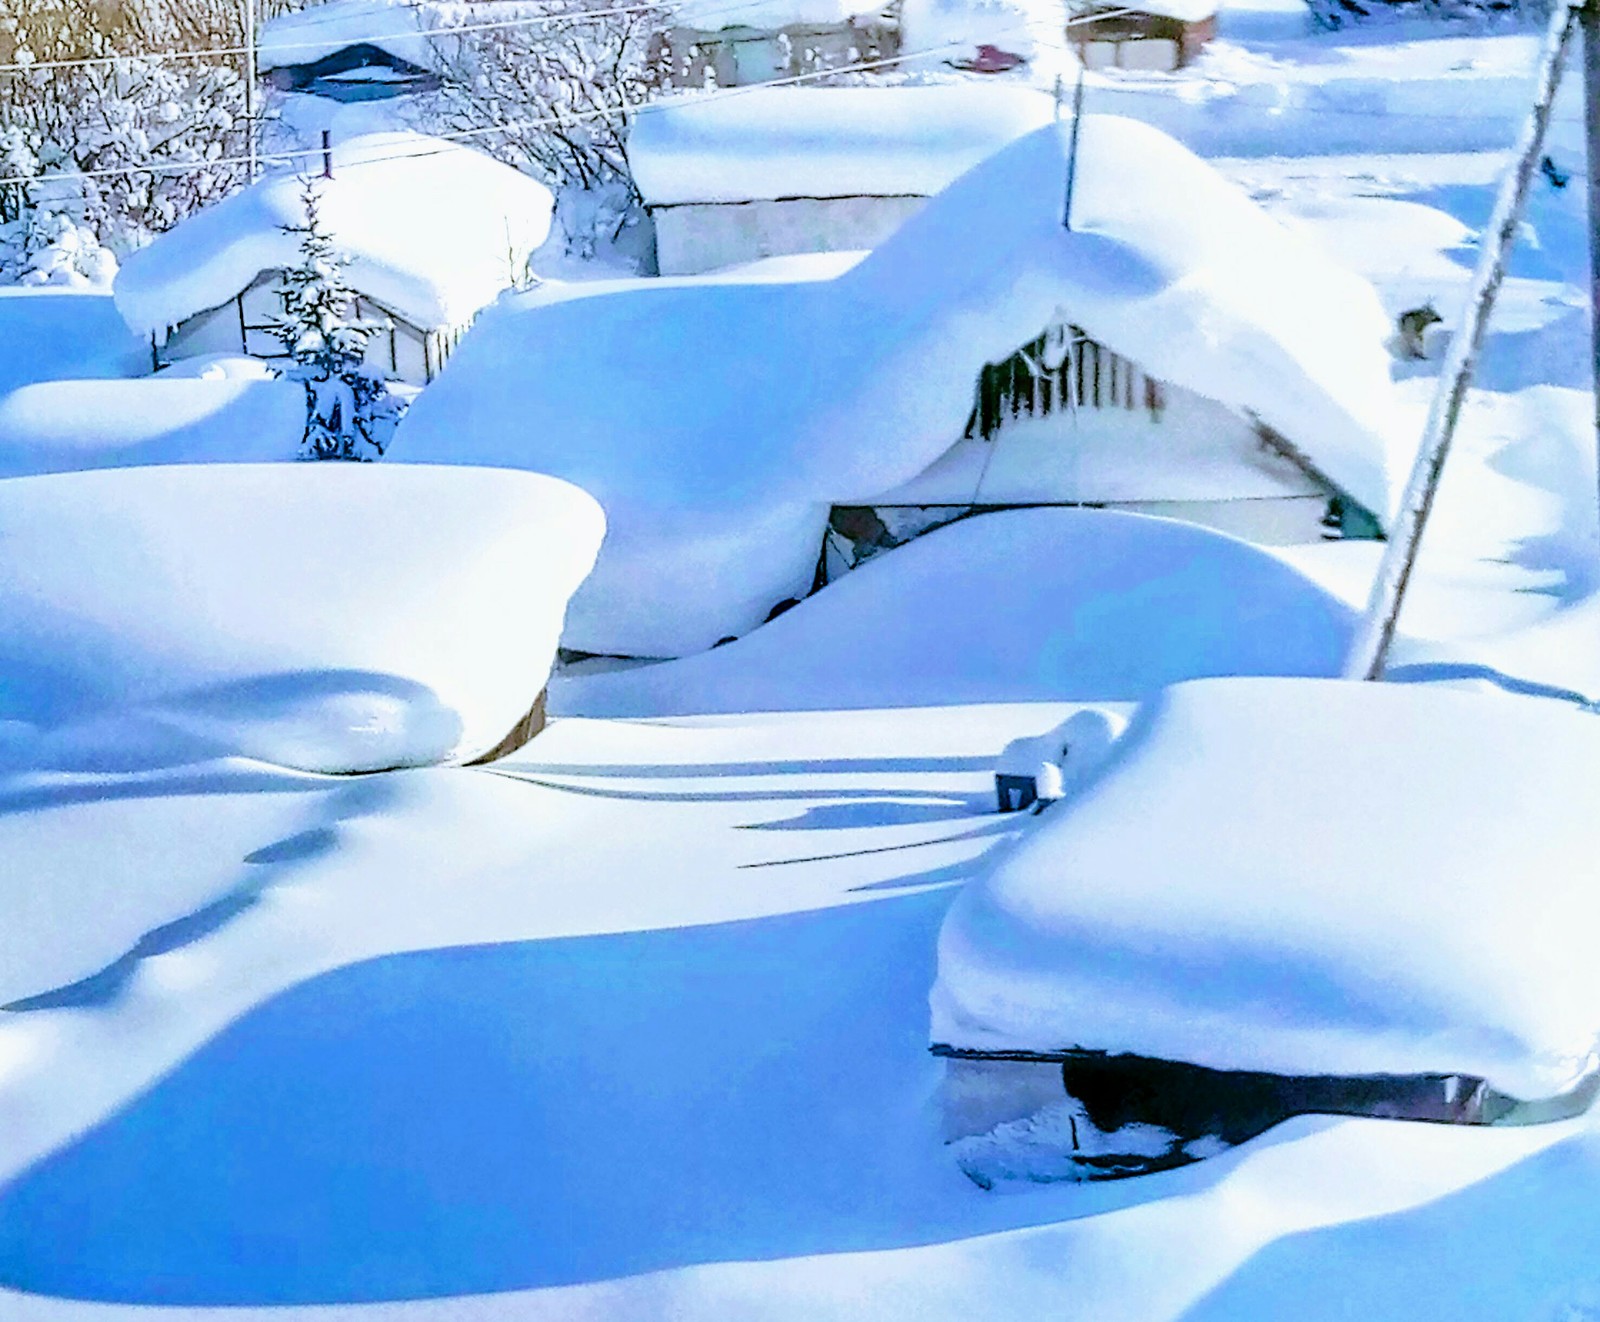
(326, 617)
(178, 417)
(1304, 877)
(735, 413)
(1018, 606)
(433, 231)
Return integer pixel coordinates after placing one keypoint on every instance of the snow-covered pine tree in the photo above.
(345, 404)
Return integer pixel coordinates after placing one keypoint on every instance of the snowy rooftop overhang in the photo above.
(434, 232)
(1305, 877)
(824, 142)
(309, 35)
(1184, 11)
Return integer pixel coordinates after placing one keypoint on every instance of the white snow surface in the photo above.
(433, 231)
(1042, 604)
(210, 414)
(781, 142)
(715, 422)
(1304, 877)
(326, 617)
(306, 36)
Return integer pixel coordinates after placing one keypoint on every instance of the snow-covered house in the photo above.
(808, 169)
(433, 232)
(1364, 899)
(349, 50)
(1152, 34)
(712, 44)
(718, 420)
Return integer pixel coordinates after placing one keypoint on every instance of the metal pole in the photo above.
(250, 75)
(1376, 631)
(1589, 24)
(1072, 150)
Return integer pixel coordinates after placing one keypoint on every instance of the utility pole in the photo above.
(1589, 25)
(250, 109)
(1376, 630)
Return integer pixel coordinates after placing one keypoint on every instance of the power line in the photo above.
(423, 33)
(553, 121)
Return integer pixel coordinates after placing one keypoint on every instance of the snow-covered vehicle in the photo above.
(1282, 897)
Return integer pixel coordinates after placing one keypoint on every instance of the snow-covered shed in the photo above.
(717, 421)
(810, 169)
(709, 43)
(433, 232)
(349, 50)
(1150, 34)
(1315, 880)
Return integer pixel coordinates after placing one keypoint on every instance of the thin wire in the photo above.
(553, 121)
(526, 20)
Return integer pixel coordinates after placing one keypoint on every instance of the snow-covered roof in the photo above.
(1305, 877)
(824, 142)
(716, 421)
(330, 617)
(434, 232)
(308, 35)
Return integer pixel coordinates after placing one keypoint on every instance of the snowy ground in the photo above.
(635, 1025)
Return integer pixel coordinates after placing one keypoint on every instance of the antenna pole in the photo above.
(1072, 150)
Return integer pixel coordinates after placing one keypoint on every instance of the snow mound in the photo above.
(781, 142)
(433, 231)
(52, 334)
(173, 418)
(714, 422)
(1019, 606)
(1304, 878)
(325, 617)
(714, 15)
(304, 37)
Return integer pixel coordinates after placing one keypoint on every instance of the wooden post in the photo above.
(327, 153)
(1376, 630)
(1589, 24)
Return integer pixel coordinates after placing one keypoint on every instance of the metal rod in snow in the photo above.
(1376, 630)
(1072, 150)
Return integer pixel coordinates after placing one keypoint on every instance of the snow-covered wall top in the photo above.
(330, 617)
(1304, 877)
(700, 413)
(434, 232)
(824, 141)
(306, 36)
(714, 15)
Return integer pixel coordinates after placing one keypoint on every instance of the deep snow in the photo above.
(329, 617)
(1016, 606)
(716, 507)
(1305, 878)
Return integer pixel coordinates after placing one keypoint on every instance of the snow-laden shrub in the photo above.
(350, 413)
(101, 124)
(557, 96)
(49, 246)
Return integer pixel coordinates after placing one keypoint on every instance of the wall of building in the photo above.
(243, 325)
(698, 237)
(738, 56)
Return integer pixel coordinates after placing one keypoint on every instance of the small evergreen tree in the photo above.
(346, 406)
